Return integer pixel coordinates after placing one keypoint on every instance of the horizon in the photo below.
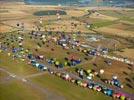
(117, 3)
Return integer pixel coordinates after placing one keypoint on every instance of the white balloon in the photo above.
(114, 77)
(101, 71)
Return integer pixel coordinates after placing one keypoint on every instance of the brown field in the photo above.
(4, 28)
(12, 13)
(127, 53)
(103, 17)
(115, 31)
(123, 26)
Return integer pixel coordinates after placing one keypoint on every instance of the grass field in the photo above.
(70, 91)
(118, 14)
(103, 24)
(15, 90)
(16, 66)
(122, 15)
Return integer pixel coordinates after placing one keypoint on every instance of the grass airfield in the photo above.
(114, 24)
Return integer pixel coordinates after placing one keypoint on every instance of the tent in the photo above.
(9, 54)
(122, 97)
(84, 84)
(57, 63)
(79, 82)
(116, 82)
(73, 80)
(97, 88)
(101, 71)
(30, 56)
(58, 74)
(66, 76)
(90, 85)
(61, 65)
(33, 62)
(108, 92)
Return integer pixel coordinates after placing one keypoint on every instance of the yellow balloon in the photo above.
(9, 54)
(22, 59)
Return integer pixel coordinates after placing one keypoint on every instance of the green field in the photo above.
(15, 90)
(103, 24)
(16, 66)
(69, 90)
(122, 15)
